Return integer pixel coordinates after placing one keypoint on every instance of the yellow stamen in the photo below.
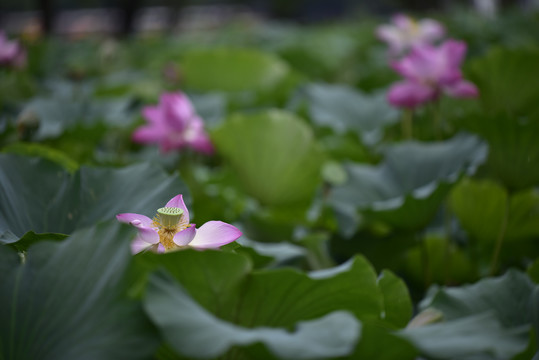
(168, 222)
(166, 237)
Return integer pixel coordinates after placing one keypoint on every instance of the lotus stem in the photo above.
(448, 243)
(406, 123)
(318, 255)
(438, 129)
(499, 240)
(427, 272)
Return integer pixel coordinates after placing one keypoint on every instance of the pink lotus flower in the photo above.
(170, 230)
(430, 71)
(405, 33)
(11, 52)
(173, 124)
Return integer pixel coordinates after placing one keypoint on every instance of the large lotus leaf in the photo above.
(477, 337)
(54, 115)
(31, 238)
(397, 302)
(379, 344)
(211, 107)
(276, 252)
(508, 296)
(490, 319)
(193, 331)
(139, 85)
(43, 151)
(351, 287)
(67, 301)
(446, 264)
(278, 298)
(60, 201)
(481, 32)
(513, 146)
(343, 109)
(15, 86)
(523, 214)
(407, 188)
(77, 60)
(481, 206)
(274, 154)
(504, 80)
(231, 70)
(533, 271)
(271, 297)
(202, 275)
(385, 249)
(535, 316)
(322, 53)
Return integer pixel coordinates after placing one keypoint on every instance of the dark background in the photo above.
(305, 11)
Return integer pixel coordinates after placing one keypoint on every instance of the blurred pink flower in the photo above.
(405, 32)
(173, 124)
(11, 52)
(170, 230)
(430, 71)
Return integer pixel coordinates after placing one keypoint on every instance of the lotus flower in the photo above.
(405, 33)
(173, 124)
(170, 230)
(11, 52)
(430, 71)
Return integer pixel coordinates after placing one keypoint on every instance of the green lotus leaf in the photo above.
(406, 189)
(139, 85)
(535, 316)
(446, 264)
(66, 300)
(397, 302)
(503, 78)
(508, 296)
(241, 298)
(197, 333)
(53, 115)
(231, 70)
(379, 344)
(490, 319)
(60, 201)
(211, 108)
(276, 253)
(481, 206)
(533, 271)
(474, 337)
(523, 215)
(352, 286)
(274, 154)
(343, 109)
(513, 147)
(320, 53)
(30, 238)
(15, 86)
(34, 149)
